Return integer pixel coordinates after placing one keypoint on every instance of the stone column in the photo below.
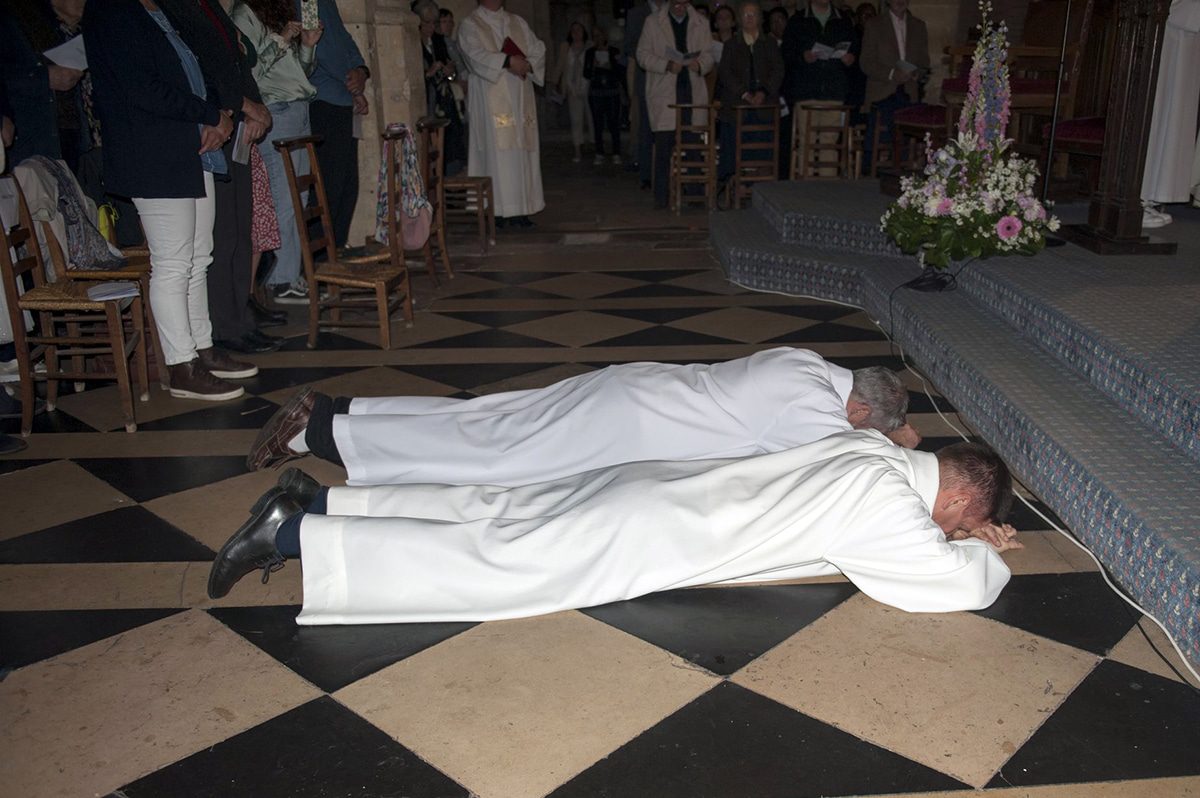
(1115, 215)
(386, 33)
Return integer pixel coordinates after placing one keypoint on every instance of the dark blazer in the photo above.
(226, 70)
(635, 21)
(32, 102)
(820, 80)
(880, 53)
(148, 115)
(743, 69)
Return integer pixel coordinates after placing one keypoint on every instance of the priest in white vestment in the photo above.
(769, 401)
(1172, 141)
(502, 110)
(853, 503)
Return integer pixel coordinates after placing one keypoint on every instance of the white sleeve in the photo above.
(487, 64)
(894, 553)
(536, 54)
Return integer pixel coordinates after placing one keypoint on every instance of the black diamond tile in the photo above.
(1078, 609)
(470, 375)
(32, 636)
(326, 341)
(656, 315)
(129, 534)
(654, 275)
(317, 750)
(332, 657)
(268, 380)
(828, 332)
(249, 412)
(500, 318)
(10, 464)
(723, 629)
(818, 311)
(518, 277)
(1024, 518)
(663, 336)
(485, 339)
(733, 742)
(509, 292)
(1119, 723)
(652, 290)
(146, 478)
(48, 422)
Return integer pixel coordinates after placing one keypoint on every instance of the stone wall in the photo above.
(942, 19)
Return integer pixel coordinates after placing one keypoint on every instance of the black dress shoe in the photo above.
(501, 222)
(258, 336)
(265, 317)
(10, 444)
(524, 222)
(302, 488)
(252, 547)
(246, 345)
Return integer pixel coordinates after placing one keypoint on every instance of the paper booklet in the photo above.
(825, 52)
(241, 147)
(601, 58)
(672, 54)
(69, 54)
(102, 292)
(905, 66)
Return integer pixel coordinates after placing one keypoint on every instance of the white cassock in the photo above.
(1172, 141)
(851, 502)
(772, 400)
(502, 109)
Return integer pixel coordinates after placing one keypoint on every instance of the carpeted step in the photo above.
(845, 215)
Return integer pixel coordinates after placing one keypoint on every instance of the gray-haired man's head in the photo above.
(878, 400)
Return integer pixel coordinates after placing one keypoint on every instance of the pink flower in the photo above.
(1008, 227)
(944, 207)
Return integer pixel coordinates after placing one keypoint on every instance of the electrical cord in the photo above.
(1070, 537)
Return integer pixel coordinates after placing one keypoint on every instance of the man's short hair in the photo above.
(881, 390)
(980, 469)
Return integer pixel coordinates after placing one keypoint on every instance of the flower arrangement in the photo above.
(976, 197)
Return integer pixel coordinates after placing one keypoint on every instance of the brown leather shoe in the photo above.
(191, 380)
(220, 364)
(270, 448)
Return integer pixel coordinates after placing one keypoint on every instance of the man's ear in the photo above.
(857, 412)
(952, 499)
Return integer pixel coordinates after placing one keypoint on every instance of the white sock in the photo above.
(297, 443)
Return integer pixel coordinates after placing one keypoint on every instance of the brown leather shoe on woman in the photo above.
(220, 364)
(191, 380)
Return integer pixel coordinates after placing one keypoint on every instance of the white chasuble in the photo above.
(772, 400)
(502, 110)
(853, 501)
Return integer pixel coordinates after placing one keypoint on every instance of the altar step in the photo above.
(1098, 428)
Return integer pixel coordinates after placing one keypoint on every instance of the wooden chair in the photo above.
(70, 326)
(858, 135)
(694, 159)
(432, 156)
(756, 151)
(821, 140)
(467, 199)
(136, 270)
(377, 280)
(911, 125)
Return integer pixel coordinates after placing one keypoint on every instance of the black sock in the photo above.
(287, 539)
(319, 433)
(320, 503)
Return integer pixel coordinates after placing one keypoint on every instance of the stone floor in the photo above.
(119, 676)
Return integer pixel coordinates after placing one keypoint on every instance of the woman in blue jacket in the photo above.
(162, 148)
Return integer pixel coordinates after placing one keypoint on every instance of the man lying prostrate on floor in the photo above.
(852, 502)
(772, 400)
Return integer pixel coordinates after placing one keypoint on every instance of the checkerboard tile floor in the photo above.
(120, 677)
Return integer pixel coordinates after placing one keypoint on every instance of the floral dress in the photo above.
(264, 226)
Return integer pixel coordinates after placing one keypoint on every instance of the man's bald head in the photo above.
(975, 487)
(878, 400)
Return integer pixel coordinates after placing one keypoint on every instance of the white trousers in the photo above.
(179, 233)
(581, 118)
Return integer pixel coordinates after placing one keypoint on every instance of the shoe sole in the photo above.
(179, 393)
(235, 375)
(291, 300)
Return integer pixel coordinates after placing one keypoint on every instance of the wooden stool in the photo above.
(469, 199)
(433, 159)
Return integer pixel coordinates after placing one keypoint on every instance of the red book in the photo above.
(510, 48)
